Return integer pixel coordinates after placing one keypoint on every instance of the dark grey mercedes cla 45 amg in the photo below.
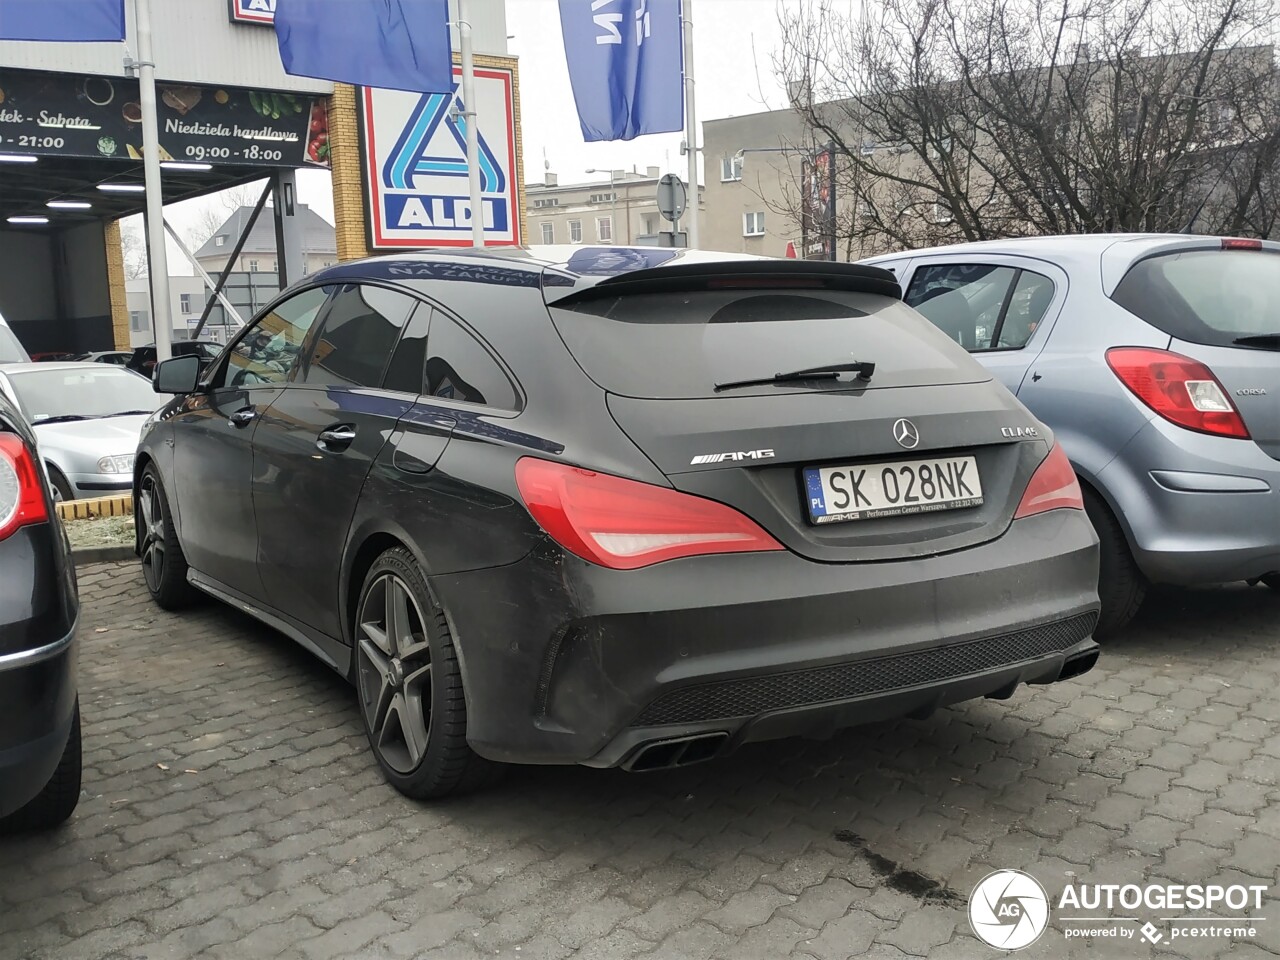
(617, 507)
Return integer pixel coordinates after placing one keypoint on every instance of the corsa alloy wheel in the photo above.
(151, 505)
(394, 673)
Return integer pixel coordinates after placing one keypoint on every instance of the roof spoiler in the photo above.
(742, 274)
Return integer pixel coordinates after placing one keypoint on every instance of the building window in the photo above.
(184, 302)
(603, 197)
(730, 169)
(604, 229)
(753, 224)
(137, 320)
(219, 241)
(548, 232)
(253, 266)
(575, 231)
(547, 202)
(650, 224)
(328, 263)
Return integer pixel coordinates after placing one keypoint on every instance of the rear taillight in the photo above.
(22, 494)
(1182, 390)
(1053, 487)
(624, 524)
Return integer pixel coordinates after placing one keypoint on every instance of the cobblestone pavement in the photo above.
(232, 810)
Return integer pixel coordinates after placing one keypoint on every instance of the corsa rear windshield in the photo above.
(1212, 297)
(676, 345)
(10, 349)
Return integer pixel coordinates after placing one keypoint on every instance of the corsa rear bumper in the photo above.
(566, 662)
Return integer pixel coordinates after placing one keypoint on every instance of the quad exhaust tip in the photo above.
(676, 752)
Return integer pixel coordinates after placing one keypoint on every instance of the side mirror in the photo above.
(177, 375)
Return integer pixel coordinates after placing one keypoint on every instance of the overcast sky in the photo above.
(734, 45)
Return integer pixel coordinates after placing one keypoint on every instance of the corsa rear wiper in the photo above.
(830, 371)
(1268, 341)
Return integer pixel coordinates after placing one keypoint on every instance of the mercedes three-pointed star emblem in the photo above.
(905, 432)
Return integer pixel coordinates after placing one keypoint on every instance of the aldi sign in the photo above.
(415, 154)
(253, 11)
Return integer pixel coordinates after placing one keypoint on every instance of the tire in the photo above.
(61, 488)
(409, 686)
(164, 567)
(1121, 586)
(55, 803)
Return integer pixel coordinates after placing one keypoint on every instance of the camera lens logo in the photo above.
(1009, 909)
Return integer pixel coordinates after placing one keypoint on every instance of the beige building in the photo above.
(622, 209)
(752, 169)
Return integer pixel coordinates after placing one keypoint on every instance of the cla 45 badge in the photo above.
(1015, 432)
(732, 455)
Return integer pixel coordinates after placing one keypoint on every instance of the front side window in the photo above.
(575, 231)
(460, 369)
(269, 349)
(359, 333)
(981, 306)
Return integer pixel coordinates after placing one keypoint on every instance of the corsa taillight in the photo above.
(1182, 390)
(624, 524)
(22, 494)
(1053, 487)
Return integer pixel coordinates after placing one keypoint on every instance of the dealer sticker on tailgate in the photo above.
(889, 489)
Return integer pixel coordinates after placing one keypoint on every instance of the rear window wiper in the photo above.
(1268, 341)
(830, 371)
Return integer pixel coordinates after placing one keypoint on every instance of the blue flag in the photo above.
(61, 20)
(396, 44)
(625, 64)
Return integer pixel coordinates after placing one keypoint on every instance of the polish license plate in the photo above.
(871, 490)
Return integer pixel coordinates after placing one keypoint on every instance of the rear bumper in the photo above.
(37, 708)
(1197, 509)
(565, 662)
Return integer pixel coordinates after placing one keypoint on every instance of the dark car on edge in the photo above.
(39, 710)
(617, 507)
(143, 359)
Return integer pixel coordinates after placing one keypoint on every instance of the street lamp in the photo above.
(613, 216)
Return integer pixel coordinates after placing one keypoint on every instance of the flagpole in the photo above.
(471, 119)
(157, 255)
(690, 118)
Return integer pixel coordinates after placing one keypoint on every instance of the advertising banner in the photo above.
(65, 115)
(818, 214)
(415, 155)
(253, 11)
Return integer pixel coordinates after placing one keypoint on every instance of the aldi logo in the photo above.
(253, 11)
(415, 151)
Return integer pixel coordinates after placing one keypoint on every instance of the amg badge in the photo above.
(734, 455)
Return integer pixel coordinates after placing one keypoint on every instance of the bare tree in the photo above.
(976, 119)
(133, 250)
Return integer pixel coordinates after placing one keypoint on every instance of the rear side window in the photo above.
(680, 344)
(360, 332)
(982, 306)
(1212, 297)
(458, 368)
(10, 349)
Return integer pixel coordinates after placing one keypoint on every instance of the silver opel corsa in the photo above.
(1155, 360)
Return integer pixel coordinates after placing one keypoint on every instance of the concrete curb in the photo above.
(83, 555)
(121, 506)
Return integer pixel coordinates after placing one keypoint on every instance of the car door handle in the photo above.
(336, 439)
(242, 417)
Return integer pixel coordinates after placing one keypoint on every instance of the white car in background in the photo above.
(87, 418)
